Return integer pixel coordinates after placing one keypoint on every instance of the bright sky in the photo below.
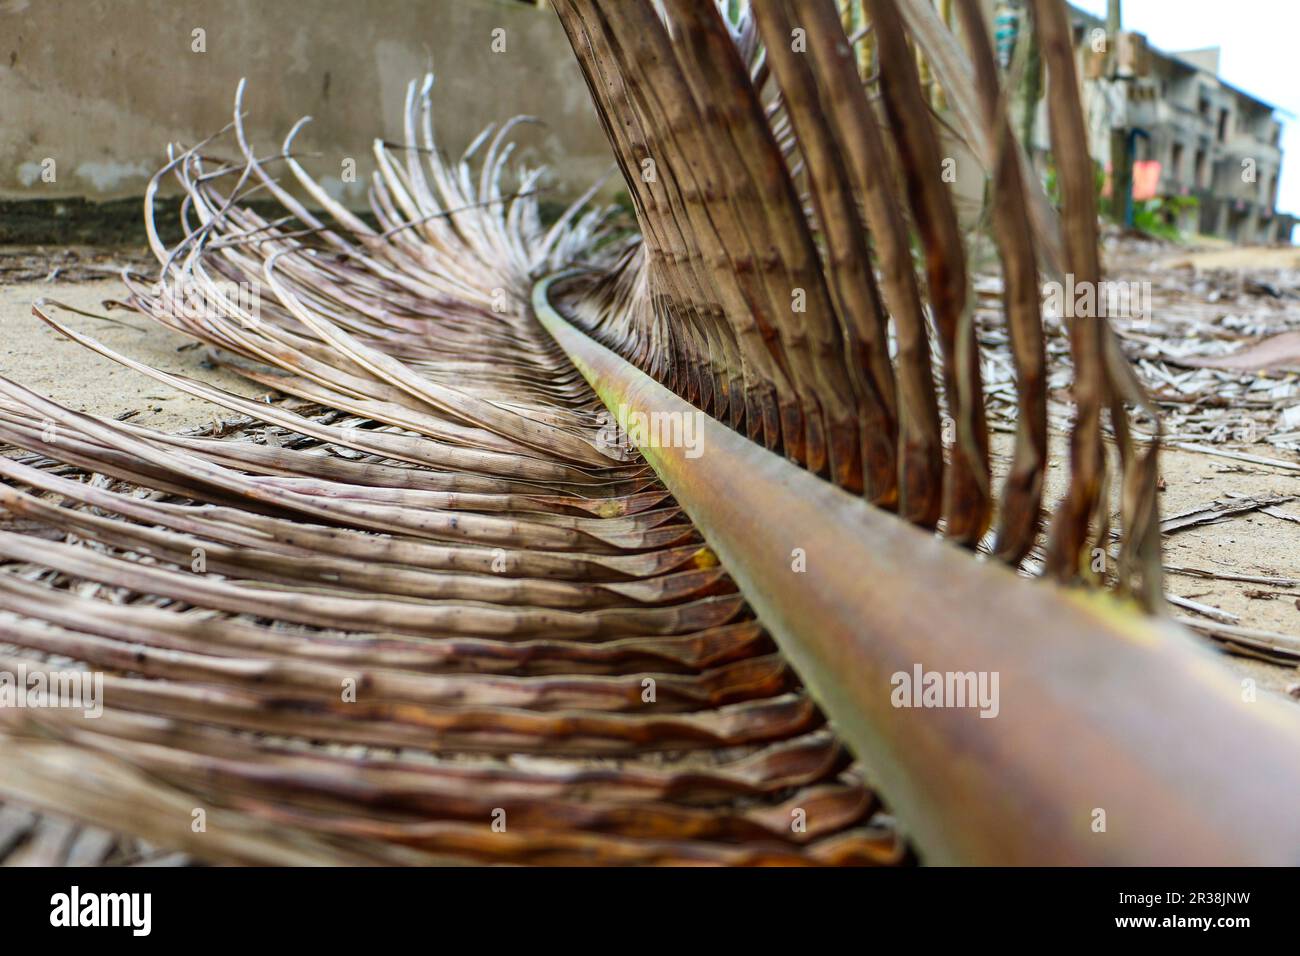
(1259, 55)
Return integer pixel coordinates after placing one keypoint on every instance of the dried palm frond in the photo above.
(423, 610)
(774, 203)
(433, 614)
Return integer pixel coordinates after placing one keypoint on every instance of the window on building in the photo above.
(1223, 125)
(1198, 172)
(1176, 162)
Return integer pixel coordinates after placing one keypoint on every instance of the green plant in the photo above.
(1160, 216)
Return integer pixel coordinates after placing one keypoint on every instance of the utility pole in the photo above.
(1121, 162)
(1031, 87)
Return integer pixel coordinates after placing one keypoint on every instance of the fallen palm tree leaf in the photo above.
(1275, 352)
(733, 255)
(442, 616)
(1087, 672)
(348, 640)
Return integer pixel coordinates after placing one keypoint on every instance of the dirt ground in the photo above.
(1261, 546)
(1247, 545)
(35, 355)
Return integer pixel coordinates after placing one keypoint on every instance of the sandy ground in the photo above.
(1254, 544)
(38, 357)
(1245, 257)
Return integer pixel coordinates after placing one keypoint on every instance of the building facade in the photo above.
(1190, 134)
(1213, 142)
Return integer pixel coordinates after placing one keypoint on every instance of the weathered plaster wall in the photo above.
(100, 86)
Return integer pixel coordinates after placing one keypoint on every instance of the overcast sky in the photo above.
(1260, 55)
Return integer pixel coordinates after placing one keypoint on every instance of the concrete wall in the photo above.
(100, 86)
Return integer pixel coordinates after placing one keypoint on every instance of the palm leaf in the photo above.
(424, 589)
